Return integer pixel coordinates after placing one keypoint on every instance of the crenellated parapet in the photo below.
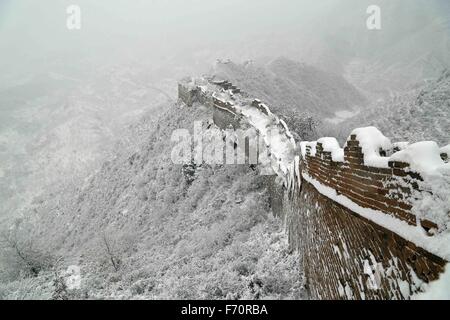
(377, 174)
(371, 218)
(231, 107)
(375, 206)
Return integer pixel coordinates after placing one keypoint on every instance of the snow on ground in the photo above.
(209, 235)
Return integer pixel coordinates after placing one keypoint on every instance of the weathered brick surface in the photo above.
(385, 189)
(340, 250)
(344, 255)
(340, 247)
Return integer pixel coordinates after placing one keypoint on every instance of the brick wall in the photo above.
(344, 255)
(385, 189)
(340, 247)
(348, 257)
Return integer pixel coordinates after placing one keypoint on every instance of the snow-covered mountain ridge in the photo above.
(421, 114)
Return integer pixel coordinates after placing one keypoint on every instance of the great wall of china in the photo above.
(371, 219)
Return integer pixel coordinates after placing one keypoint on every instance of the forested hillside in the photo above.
(421, 114)
(142, 227)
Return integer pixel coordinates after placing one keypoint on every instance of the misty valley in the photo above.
(224, 152)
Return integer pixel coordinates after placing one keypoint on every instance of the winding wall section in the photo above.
(356, 214)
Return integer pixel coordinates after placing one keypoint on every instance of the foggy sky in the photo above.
(34, 32)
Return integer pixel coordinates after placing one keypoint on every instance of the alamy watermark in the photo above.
(213, 146)
(373, 22)
(73, 21)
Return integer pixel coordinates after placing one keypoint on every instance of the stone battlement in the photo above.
(364, 172)
(371, 219)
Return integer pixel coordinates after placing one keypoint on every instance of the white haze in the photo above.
(86, 118)
(60, 90)
(34, 32)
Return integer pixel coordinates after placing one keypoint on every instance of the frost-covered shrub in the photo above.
(302, 125)
(185, 240)
(22, 255)
(37, 288)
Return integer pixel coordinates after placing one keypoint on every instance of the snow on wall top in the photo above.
(273, 130)
(332, 145)
(418, 167)
(422, 157)
(368, 145)
(372, 141)
(368, 149)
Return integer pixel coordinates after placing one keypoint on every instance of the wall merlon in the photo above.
(389, 187)
(327, 211)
